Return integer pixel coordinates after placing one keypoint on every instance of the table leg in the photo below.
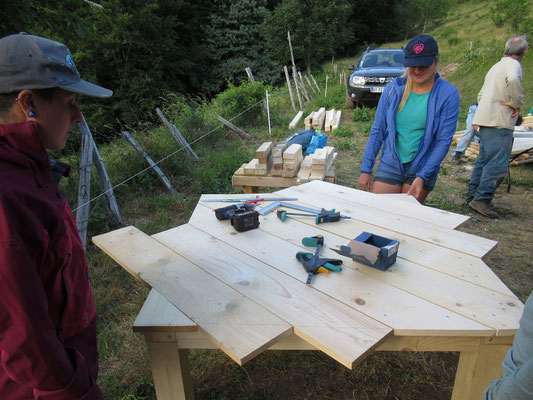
(476, 369)
(170, 370)
(251, 189)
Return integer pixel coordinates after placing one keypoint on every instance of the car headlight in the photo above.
(358, 80)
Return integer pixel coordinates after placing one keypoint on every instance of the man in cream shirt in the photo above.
(499, 101)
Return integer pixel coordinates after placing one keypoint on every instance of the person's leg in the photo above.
(478, 167)
(464, 141)
(497, 144)
(382, 187)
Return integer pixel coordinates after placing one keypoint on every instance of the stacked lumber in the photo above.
(292, 158)
(277, 158)
(263, 156)
(323, 120)
(317, 166)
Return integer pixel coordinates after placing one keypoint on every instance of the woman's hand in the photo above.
(364, 182)
(416, 188)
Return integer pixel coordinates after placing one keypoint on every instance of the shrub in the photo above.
(343, 132)
(363, 114)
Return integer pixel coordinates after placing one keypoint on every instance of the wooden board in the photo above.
(418, 212)
(158, 314)
(230, 319)
(337, 329)
(401, 310)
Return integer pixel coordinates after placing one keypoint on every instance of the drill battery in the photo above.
(243, 217)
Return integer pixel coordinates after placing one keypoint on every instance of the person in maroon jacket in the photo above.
(47, 311)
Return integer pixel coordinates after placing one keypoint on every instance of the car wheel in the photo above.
(349, 102)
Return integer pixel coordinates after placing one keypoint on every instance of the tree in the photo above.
(514, 12)
(416, 15)
(319, 28)
(233, 41)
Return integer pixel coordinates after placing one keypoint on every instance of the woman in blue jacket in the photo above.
(415, 121)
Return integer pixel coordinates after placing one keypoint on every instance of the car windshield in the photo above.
(382, 59)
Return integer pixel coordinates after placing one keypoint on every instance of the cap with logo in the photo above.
(421, 51)
(33, 62)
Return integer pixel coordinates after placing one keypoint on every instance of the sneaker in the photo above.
(484, 207)
(456, 159)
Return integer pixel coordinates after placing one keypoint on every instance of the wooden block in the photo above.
(240, 170)
(309, 119)
(318, 120)
(337, 120)
(296, 119)
(264, 151)
(279, 149)
(249, 169)
(330, 120)
(293, 152)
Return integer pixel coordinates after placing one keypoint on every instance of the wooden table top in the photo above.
(247, 290)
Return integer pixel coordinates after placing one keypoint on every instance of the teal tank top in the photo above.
(410, 126)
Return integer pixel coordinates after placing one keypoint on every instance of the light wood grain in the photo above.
(445, 237)
(239, 327)
(415, 211)
(337, 329)
(392, 306)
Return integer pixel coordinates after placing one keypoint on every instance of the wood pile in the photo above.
(324, 120)
(287, 161)
(317, 166)
(519, 145)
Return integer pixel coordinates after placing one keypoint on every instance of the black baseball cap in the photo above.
(421, 51)
(33, 62)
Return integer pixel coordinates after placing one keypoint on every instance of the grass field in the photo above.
(469, 45)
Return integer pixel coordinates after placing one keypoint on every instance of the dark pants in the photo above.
(491, 166)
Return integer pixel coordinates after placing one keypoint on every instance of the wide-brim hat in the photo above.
(421, 51)
(33, 62)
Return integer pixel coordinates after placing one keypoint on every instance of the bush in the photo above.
(363, 114)
(236, 99)
(343, 132)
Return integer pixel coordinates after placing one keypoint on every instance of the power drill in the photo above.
(242, 216)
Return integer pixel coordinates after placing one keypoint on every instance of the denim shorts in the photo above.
(401, 179)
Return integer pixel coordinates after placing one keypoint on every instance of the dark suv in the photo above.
(374, 70)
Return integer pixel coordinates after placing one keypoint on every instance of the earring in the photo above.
(31, 114)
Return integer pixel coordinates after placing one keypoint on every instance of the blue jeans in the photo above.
(491, 166)
(516, 382)
(468, 134)
(403, 178)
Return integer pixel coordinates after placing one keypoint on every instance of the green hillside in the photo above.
(469, 44)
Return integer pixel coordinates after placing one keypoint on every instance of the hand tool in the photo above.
(242, 216)
(249, 200)
(313, 263)
(323, 216)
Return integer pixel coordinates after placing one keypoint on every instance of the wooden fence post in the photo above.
(289, 86)
(303, 86)
(157, 170)
(310, 84)
(84, 186)
(238, 131)
(317, 88)
(251, 77)
(176, 133)
(294, 74)
(105, 183)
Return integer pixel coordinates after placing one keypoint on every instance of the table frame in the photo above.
(479, 362)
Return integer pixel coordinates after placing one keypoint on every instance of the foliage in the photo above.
(416, 15)
(363, 114)
(236, 99)
(318, 29)
(343, 132)
(514, 12)
(234, 43)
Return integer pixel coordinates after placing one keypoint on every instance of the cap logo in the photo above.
(418, 47)
(69, 60)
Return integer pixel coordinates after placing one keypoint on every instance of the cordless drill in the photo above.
(243, 217)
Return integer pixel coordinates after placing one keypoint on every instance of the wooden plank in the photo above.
(336, 329)
(309, 83)
(337, 120)
(158, 314)
(264, 151)
(249, 169)
(318, 120)
(293, 152)
(230, 319)
(162, 177)
(302, 85)
(416, 214)
(296, 119)
(402, 311)
(238, 131)
(317, 88)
